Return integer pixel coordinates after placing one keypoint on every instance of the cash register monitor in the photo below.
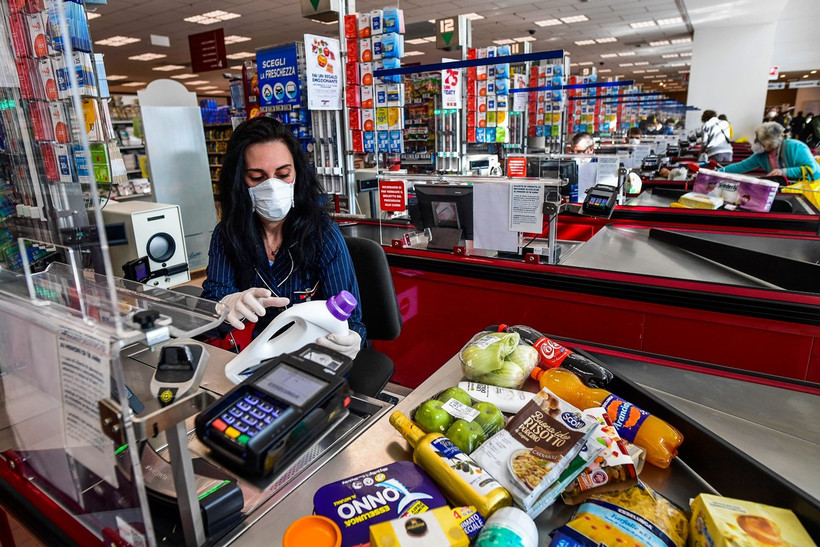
(566, 170)
(447, 211)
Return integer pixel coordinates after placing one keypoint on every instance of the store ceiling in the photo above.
(621, 46)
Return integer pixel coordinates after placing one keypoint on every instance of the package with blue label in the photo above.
(531, 453)
(395, 490)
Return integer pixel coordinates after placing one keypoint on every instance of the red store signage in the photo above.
(392, 196)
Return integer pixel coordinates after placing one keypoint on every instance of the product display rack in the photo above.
(135, 160)
(217, 136)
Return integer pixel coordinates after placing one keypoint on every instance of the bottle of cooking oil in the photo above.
(461, 479)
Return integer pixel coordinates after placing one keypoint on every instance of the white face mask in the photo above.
(634, 141)
(272, 199)
(757, 148)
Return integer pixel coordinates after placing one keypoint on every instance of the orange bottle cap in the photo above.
(313, 530)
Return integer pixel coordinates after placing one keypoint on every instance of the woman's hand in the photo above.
(346, 344)
(248, 305)
(776, 173)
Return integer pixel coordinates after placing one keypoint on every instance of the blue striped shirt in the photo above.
(335, 272)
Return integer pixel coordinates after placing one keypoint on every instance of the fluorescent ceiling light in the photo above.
(686, 54)
(642, 24)
(686, 71)
(206, 87)
(642, 63)
(670, 21)
(606, 40)
(429, 38)
(241, 55)
(608, 55)
(584, 42)
(114, 77)
(627, 64)
(147, 56)
(638, 71)
(813, 72)
(669, 55)
(650, 76)
(503, 42)
(604, 70)
(431, 21)
(117, 41)
(235, 39)
(525, 39)
(198, 82)
(681, 40)
(234, 67)
(212, 17)
(418, 41)
(184, 76)
(413, 53)
(548, 22)
(325, 22)
(168, 68)
(585, 63)
(648, 70)
(91, 15)
(626, 54)
(473, 16)
(659, 43)
(677, 64)
(575, 19)
(133, 84)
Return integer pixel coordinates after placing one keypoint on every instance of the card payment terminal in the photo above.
(262, 423)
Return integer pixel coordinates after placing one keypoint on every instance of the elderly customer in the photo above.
(778, 156)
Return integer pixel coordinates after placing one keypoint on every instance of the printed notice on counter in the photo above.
(491, 221)
(527, 207)
(608, 170)
(85, 360)
(392, 195)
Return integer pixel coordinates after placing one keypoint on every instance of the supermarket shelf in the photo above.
(131, 196)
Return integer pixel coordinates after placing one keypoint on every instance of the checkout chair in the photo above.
(380, 315)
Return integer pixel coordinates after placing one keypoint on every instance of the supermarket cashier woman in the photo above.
(275, 245)
(778, 156)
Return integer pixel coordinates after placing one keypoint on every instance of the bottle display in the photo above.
(461, 479)
(658, 438)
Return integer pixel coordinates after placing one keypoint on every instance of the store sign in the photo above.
(777, 85)
(450, 32)
(208, 51)
(278, 72)
(517, 167)
(774, 72)
(451, 88)
(804, 83)
(392, 196)
(324, 73)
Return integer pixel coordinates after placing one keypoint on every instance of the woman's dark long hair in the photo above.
(241, 230)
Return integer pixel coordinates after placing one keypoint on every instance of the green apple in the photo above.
(467, 436)
(430, 416)
(456, 393)
(490, 418)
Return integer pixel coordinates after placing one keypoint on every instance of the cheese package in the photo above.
(694, 200)
(722, 522)
(389, 492)
(436, 527)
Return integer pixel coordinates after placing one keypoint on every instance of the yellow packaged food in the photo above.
(723, 522)
(436, 527)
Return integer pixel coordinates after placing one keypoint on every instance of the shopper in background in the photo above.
(778, 156)
(714, 138)
(582, 143)
(775, 115)
(633, 135)
(723, 118)
(668, 127)
(275, 244)
(797, 125)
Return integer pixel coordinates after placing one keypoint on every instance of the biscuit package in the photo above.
(537, 445)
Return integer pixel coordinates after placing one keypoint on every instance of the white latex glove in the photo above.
(346, 344)
(248, 305)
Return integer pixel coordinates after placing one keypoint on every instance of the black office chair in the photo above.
(380, 314)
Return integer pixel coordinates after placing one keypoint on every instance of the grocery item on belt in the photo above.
(463, 481)
(498, 359)
(385, 493)
(635, 516)
(530, 454)
(508, 526)
(470, 520)
(717, 522)
(613, 469)
(436, 527)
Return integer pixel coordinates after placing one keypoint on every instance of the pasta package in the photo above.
(531, 454)
(636, 516)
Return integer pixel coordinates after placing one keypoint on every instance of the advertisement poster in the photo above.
(278, 73)
(451, 88)
(324, 80)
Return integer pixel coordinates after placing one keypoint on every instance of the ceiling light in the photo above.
(575, 19)
(669, 55)
(608, 55)
(147, 56)
(627, 64)
(133, 84)
(429, 38)
(813, 72)
(235, 39)
(686, 71)
(681, 40)
(431, 21)
(525, 39)
(418, 41)
(168, 68)
(233, 67)
(648, 70)
(650, 76)
(241, 55)
(117, 41)
(585, 63)
(325, 22)
(584, 42)
(573, 64)
(805, 75)
(638, 71)
(626, 54)
(642, 63)
(642, 24)
(184, 76)
(548, 22)
(686, 54)
(473, 16)
(212, 17)
(659, 43)
(670, 21)
(206, 87)
(603, 70)
(198, 82)
(91, 15)
(606, 40)
(413, 53)
(114, 77)
(677, 64)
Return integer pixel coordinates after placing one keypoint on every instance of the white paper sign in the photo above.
(527, 207)
(492, 222)
(587, 175)
(608, 170)
(324, 69)
(519, 99)
(451, 88)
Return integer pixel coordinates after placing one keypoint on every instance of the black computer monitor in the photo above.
(445, 210)
(566, 169)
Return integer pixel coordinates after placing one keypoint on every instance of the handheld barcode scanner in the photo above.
(179, 371)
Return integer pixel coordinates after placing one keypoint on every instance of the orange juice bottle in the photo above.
(658, 438)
